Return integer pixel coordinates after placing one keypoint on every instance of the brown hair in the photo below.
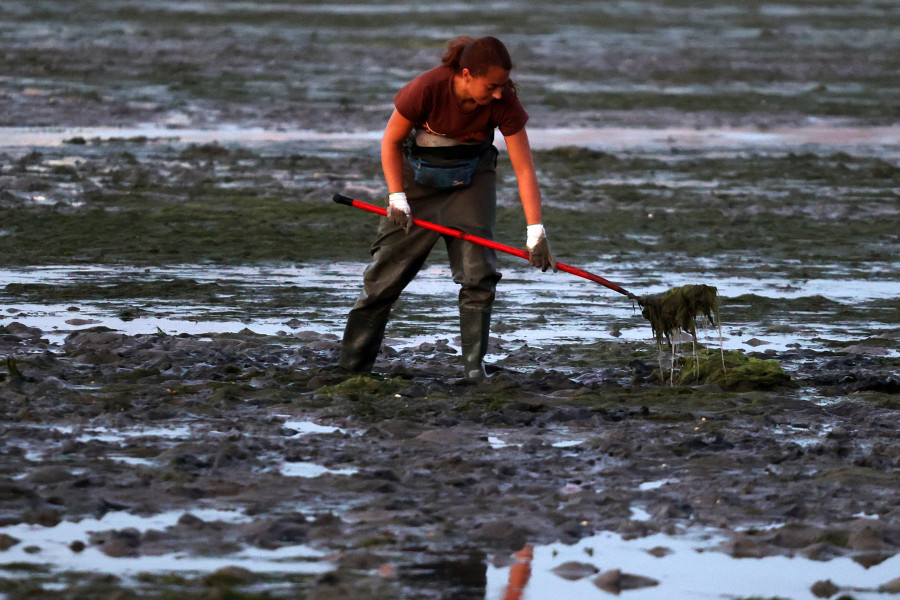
(476, 55)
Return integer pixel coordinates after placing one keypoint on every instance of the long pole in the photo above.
(378, 210)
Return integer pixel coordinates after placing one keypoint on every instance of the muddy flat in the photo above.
(174, 280)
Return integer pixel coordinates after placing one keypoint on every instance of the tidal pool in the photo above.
(569, 308)
(52, 544)
(693, 567)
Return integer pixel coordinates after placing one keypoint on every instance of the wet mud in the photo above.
(417, 494)
(173, 425)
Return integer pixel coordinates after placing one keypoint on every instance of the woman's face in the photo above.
(486, 88)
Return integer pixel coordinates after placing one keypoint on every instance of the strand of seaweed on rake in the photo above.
(677, 310)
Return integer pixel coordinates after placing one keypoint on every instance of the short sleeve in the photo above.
(413, 101)
(510, 116)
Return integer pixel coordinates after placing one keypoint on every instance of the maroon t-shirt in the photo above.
(428, 102)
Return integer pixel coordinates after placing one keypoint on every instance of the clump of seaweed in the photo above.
(681, 310)
(678, 309)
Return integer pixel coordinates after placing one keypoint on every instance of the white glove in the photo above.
(398, 211)
(538, 247)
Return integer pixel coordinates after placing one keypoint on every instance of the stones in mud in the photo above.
(325, 526)
(744, 545)
(672, 510)
(7, 541)
(229, 577)
(273, 534)
(866, 538)
(454, 437)
(615, 581)
(821, 551)
(45, 517)
(796, 536)
(20, 331)
(49, 475)
(397, 429)
(659, 551)
(503, 534)
(857, 371)
(824, 589)
(574, 570)
(118, 543)
(891, 587)
(359, 559)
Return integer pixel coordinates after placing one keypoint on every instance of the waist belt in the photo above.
(458, 152)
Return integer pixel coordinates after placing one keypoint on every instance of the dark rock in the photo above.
(574, 570)
(229, 577)
(615, 581)
(891, 587)
(46, 517)
(7, 541)
(824, 589)
(503, 534)
(48, 475)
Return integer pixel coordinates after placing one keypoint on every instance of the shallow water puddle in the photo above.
(570, 310)
(497, 442)
(113, 436)
(690, 567)
(557, 437)
(804, 436)
(653, 485)
(50, 546)
(639, 514)
(567, 443)
(107, 434)
(308, 427)
(308, 469)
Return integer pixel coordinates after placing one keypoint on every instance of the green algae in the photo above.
(678, 309)
(231, 205)
(731, 370)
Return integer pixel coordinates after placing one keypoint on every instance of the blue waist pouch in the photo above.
(443, 175)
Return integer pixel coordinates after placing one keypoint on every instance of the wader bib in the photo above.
(398, 256)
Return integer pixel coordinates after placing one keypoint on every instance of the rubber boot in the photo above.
(474, 330)
(361, 343)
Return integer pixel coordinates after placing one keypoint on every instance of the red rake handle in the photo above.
(340, 199)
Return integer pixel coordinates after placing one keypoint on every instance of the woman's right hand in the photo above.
(398, 212)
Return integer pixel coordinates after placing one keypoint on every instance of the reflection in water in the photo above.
(519, 574)
(53, 543)
(460, 577)
(691, 565)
